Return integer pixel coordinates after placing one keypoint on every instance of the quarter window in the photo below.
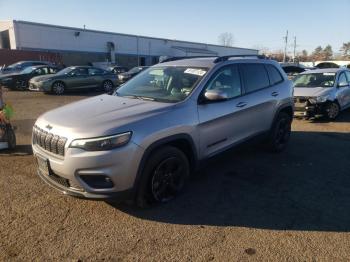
(228, 80)
(274, 75)
(255, 77)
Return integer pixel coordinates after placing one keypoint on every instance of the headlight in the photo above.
(322, 99)
(102, 143)
(319, 99)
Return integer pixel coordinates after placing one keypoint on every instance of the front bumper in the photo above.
(40, 86)
(303, 108)
(66, 173)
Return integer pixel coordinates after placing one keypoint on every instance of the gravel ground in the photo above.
(245, 204)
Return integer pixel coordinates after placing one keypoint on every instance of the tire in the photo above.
(280, 133)
(163, 177)
(107, 86)
(58, 88)
(332, 110)
(11, 137)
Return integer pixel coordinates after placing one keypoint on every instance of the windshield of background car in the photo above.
(315, 80)
(27, 70)
(163, 84)
(135, 70)
(66, 70)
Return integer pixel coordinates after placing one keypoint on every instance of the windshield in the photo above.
(65, 71)
(135, 70)
(164, 84)
(27, 70)
(314, 80)
(18, 64)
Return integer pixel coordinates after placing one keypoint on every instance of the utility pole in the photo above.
(295, 46)
(285, 47)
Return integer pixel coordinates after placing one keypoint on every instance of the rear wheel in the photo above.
(58, 88)
(163, 177)
(280, 133)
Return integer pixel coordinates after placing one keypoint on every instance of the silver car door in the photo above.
(222, 123)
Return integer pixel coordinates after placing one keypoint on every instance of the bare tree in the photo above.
(226, 39)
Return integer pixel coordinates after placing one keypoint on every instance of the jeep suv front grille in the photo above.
(48, 141)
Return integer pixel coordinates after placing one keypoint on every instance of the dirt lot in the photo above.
(245, 204)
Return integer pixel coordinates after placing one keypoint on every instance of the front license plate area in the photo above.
(43, 165)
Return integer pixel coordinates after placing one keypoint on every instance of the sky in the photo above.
(253, 23)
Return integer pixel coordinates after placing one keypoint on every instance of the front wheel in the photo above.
(332, 110)
(280, 133)
(107, 86)
(163, 177)
(58, 88)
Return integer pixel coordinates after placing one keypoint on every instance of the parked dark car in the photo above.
(74, 78)
(117, 69)
(20, 80)
(292, 70)
(19, 66)
(123, 77)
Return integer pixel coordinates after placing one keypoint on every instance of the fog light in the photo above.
(97, 181)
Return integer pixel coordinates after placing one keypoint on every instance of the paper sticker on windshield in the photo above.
(193, 71)
(329, 74)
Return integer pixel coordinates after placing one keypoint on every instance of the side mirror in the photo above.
(215, 95)
(343, 84)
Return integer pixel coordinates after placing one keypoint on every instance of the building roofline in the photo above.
(123, 34)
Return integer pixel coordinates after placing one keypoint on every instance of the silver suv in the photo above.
(322, 92)
(143, 141)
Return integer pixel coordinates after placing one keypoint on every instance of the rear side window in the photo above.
(274, 75)
(255, 77)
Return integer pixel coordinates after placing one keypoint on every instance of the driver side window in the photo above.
(228, 80)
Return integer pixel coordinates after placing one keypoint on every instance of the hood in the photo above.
(7, 70)
(311, 92)
(99, 115)
(2, 76)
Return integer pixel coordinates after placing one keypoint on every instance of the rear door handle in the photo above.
(241, 104)
(274, 93)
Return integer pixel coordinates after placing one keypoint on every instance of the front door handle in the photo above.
(274, 93)
(241, 104)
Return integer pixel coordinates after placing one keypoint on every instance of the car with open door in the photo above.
(20, 80)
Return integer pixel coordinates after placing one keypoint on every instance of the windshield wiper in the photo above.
(145, 98)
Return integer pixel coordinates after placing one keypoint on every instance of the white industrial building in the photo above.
(81, 46)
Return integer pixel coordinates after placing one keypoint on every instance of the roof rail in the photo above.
(227, 57)
(175, 58)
